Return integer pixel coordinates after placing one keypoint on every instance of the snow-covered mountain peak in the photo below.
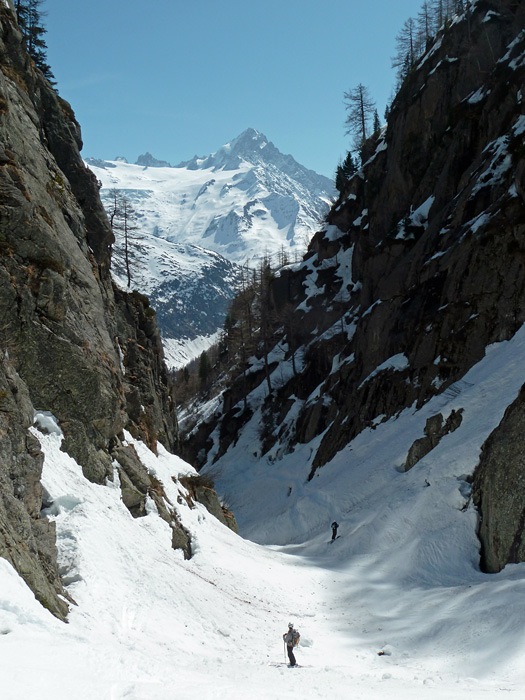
(252, 149)
(149, 161)
(247, 147)
(251, 146)
(245, 201)
(249, 141)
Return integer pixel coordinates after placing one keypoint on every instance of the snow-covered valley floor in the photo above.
(402, 578)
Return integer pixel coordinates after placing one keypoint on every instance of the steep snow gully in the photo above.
(395, 607)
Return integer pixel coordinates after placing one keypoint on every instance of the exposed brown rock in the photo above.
(435, 429)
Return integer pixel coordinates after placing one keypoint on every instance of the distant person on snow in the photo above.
(334, 530)
(291, 639)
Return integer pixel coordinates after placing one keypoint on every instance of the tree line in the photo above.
(416, 34)
(412, 41)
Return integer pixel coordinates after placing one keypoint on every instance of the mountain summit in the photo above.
(251, 146)
(254, 148)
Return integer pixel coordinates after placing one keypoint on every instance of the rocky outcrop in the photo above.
(149, 161)
(137, 486)
(27, 541)
(201, 489)
(435, 429)
(146, 383)
(499, 491)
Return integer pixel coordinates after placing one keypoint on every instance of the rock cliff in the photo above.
(435, 223)
(419, 268)
(72, 344)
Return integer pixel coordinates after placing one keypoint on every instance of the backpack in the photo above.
(295, 637)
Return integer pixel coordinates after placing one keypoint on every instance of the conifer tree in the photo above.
(443, 10)
(360, 109)
(377, 124)
(340, 181)
(409, 46)
(439, 13)
(265, 307)
(344, 172)
(29, 17)
(425, 25)
(122, 218)
(349, 166)
(204, 368)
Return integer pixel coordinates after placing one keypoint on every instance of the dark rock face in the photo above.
(56, 301)
(146, 383)
(499, 491)
(26, 540)
(422, 263)
(437, 253)
(70, 343)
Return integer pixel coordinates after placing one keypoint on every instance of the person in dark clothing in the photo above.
(334, 530)
(291, 639)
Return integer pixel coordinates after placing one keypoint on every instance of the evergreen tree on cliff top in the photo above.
(29, 17)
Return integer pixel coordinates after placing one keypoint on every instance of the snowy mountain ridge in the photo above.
(244, 201)
(196, 223)
(253, 147)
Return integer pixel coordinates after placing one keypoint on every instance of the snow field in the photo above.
(402, 579)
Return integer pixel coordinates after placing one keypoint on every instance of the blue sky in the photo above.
(182, 77)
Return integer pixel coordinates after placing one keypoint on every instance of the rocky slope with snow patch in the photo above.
(418, 271)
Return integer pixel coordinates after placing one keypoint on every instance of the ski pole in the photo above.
(284, 651)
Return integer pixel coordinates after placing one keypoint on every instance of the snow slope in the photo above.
(402, 579)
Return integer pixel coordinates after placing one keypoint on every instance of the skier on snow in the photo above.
(334, 530)
(291, 639)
